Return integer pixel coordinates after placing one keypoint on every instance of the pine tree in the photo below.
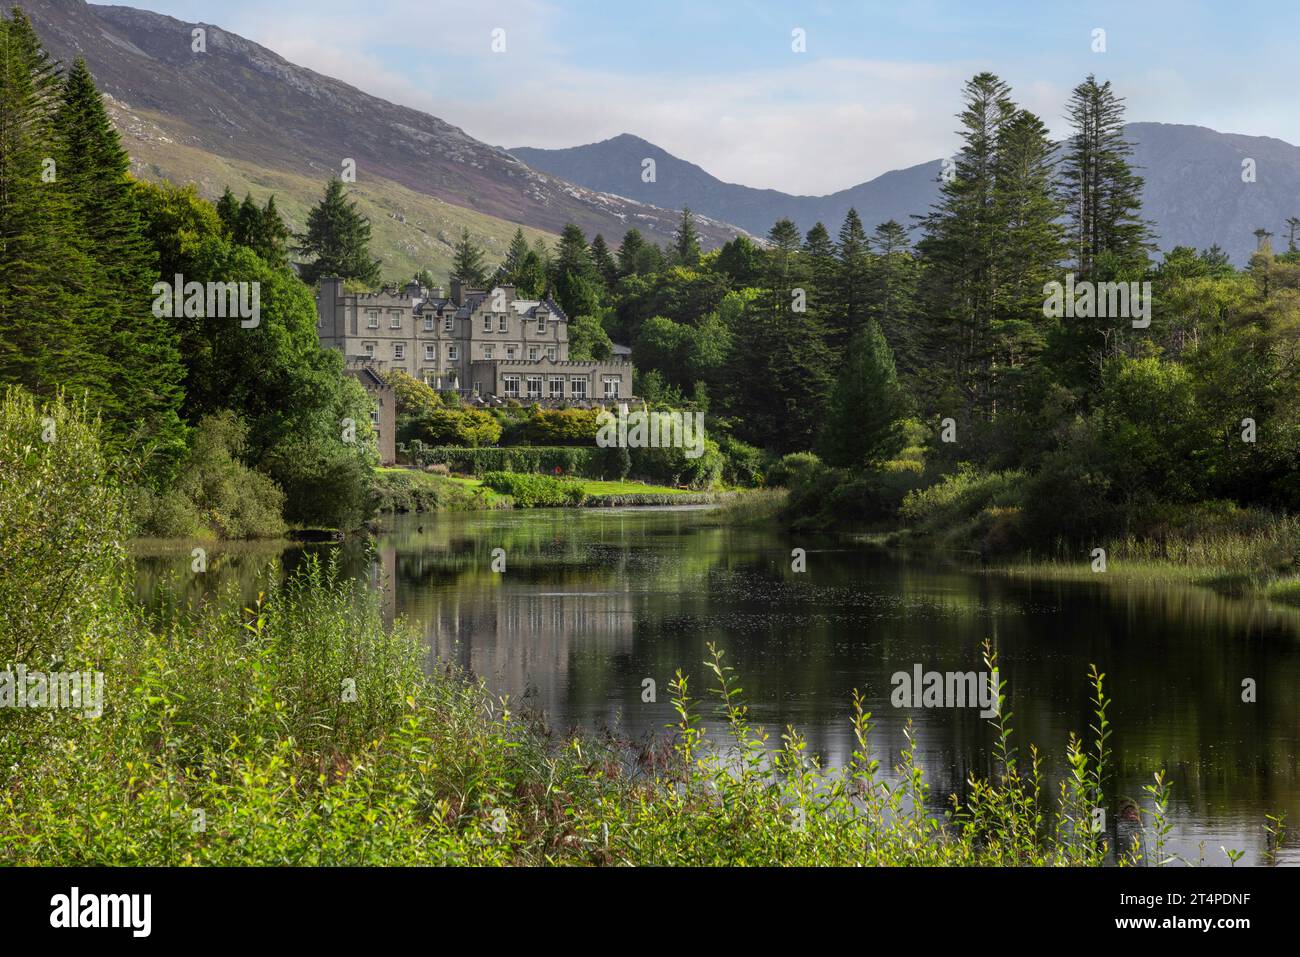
(863, 425)
(338, 237)
(467, 262)
(44, 276)
(686, 241)
(1029, 251)
(228, 210)
(573, 279)
(272, 236)
(851, 278)
(603, 260)
(893, 273)
(628, 252)
(962, 233)
(1103, 194)
(141, 397)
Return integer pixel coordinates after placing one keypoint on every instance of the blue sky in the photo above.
(717, 83)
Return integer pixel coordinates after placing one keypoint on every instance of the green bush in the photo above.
(742, 463)
(410, 491)
(535, 491)
(215, 495)
(63, 525)
(585, 462)
(787, 470)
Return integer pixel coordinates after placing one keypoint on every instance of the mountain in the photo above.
(240, 115)
(1193, 191)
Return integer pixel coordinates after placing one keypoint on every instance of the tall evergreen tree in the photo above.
(228, 210)
(893, 273)
(467, 262)
(272, 235)
(1029, 250)
(851, 279)
(142, 396)
(686, 241)
(338, 239)
(573, 278)
(1103, 194)
(603, 260)
(962, 232)
(863, 425)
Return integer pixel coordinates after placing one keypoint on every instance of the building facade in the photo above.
(489, 345)
(369, 373)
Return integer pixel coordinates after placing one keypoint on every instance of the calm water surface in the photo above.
(595, 601)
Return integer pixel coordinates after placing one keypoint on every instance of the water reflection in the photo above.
(594, 602)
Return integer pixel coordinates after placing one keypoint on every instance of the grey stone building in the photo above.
(369, 372)
(489, 345)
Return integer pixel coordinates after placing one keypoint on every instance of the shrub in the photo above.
(469, 427)
(587, 462)
(410, 491)
(561, 427)
(535, 491)
(215, 494)
(788, 469)
(742, 462)
(63, 522)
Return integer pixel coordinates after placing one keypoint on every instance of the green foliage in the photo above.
(338, 239)
(62, 526)
(215, 494)
(561, 426)
(588, 462)
(588, 340)
(444, 426)
(530, 490)
(404, 490)
(864, 417)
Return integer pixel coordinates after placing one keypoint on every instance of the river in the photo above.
(594, 602)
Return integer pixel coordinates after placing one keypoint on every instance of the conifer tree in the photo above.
(573, 278)
(228, 210)
(338, 239)
(141, 396)
(603, 260)
(851, 277)
(467, 262)
(686, 241)
(863, 425)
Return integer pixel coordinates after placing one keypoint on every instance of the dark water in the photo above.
(593, 602)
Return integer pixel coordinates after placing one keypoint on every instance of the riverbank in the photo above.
(404, 490)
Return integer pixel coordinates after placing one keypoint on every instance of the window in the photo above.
(533, 353)
(452, 353)
(374, 418)
(511, 383)
(370, 349)
(556, 387)
(487, 352)
(372, 319)
(503, 324)
(446, 322)
(487, 323)
(478, 387)
(430, 352)
(541, 325)
(611, 387)
(510, 352)
(394, 320)
(428, 323)
(550, 353)
(534, 387)
(399, 350)
(578, 387)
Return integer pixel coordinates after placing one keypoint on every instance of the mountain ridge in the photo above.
(1193, 190)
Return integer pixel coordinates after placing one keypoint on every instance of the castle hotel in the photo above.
(489, 345)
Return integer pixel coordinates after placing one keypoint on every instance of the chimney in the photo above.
(412, 290)
(457, 287)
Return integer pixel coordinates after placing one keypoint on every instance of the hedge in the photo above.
(585, 462)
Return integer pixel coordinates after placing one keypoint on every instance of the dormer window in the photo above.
(541, 323)
(428, 323)
(446, 322)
